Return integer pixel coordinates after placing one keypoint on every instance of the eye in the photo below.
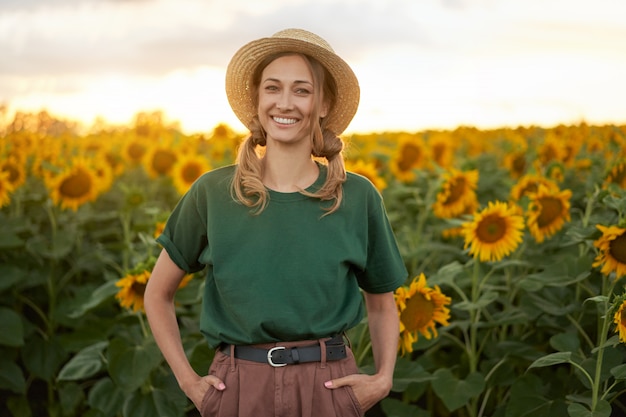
(271, 88)
(303, 91)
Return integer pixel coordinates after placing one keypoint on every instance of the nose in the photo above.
(284, 101)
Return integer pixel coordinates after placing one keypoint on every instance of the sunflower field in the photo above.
(514, 238)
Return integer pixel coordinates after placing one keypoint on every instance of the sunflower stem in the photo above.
(595, 388)
(125, 220)
(142, 323)
(474, 317)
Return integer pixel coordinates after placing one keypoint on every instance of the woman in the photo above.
(291, 246)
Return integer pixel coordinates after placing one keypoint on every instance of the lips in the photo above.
(284, 120)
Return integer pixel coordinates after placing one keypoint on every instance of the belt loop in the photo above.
(232, 358)
(322, 353)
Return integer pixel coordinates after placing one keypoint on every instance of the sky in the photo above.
(421, 64)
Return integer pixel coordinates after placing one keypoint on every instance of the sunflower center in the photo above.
(622, 318)
(519, 163)
(190, 173)
(457, 190)
(409, 157)
(418, 312)
(14, 174)
(551, 209)
(438, 151)
(136, 151)
(138, 288)
(76, 185)
(163, 161)
(491, 229)
(618, 248)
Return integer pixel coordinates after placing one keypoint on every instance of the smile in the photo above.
(284, 121)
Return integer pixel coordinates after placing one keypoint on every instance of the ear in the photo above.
(324, 109)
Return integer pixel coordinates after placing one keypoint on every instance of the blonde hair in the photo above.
(247, 186)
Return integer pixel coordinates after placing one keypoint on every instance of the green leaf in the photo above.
(11, 275)
(11, 328)
(603, 409)
(552, 359)
(407, 372)
(396, 408)
(56, 248)
(88, 362)
(99, 296)
(484, 300)
(561, 273)
(455, 393)
(106, 398)
(600, 299)
(19, 406)
(130, 365)
(565, 342)
(71, 396)
(10, 240)
(619, 372)
(446, 274)
(43, 357)
(11, 377)
(528, 399)
(157, 402)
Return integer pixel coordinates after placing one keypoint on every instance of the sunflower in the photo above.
(516, 162)
(458, 193)
(186, 170)
(441, 149)
(75, 186)
(617, 175)
(369, 171)
(552, 150)
(104, 174)
(14, 166)
(529, 183)
(159, 161)
(547, 212)
(611, 250)
(158, 229)
(495, 232)
(419, 308)
(411, 154)
(134, 150)
(133, 286)
(6, 189)
(619, 317)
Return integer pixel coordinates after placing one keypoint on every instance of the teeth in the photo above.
(285, 121)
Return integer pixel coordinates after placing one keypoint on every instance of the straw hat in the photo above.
(243, 64)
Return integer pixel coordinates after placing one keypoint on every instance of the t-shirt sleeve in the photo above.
(385, 270)
(185, 234)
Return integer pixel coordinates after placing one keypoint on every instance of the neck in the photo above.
(288, 171)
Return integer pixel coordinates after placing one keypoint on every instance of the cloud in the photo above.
(157, 37)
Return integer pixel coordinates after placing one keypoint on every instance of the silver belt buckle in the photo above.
(269, 357)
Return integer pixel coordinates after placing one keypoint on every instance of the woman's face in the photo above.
(287, 99)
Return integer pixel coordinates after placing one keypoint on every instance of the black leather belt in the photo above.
(282, 356)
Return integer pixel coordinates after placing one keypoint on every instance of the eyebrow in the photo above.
(295, 82)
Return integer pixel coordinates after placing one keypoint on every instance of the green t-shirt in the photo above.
(289, 273)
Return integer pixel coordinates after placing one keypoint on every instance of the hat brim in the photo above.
(243, 64)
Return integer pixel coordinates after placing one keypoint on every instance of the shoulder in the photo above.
(216, 178)
(360, 183)
(359, 191)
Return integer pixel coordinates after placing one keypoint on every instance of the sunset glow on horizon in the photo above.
(427, 65)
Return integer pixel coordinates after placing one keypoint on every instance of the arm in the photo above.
(159, 305)
(384, 328)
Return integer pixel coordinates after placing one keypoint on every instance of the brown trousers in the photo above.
(259, 390)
